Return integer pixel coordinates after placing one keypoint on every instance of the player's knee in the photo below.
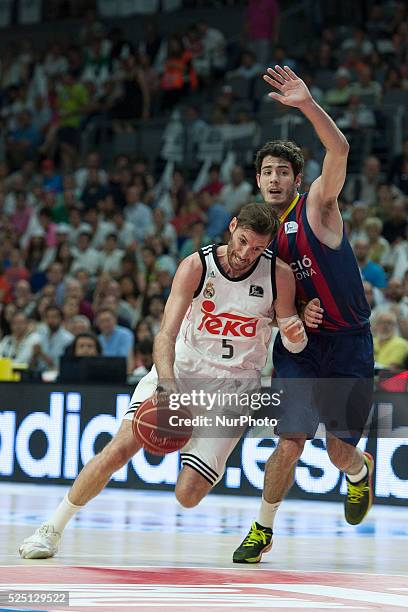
(188, 496)
(291, 448)
(116, 456)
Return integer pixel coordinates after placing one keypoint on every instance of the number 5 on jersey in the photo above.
(228, 349)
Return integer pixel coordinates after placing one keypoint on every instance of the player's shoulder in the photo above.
(190, 264)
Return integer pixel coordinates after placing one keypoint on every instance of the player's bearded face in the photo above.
(277, 182)
(244, 248)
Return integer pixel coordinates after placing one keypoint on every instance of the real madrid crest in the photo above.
(209, 290)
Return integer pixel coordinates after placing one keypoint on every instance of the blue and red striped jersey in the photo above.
(332, 275)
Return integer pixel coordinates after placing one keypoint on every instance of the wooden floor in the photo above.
(142, 531)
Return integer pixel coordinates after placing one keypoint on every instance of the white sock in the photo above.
(65, 511)
(360, 475)
(267, 513)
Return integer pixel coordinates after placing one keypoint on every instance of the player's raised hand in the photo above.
(293, 91)
(313, 314)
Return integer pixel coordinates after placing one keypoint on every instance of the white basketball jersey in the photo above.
(228, 324)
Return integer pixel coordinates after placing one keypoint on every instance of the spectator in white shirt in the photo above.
(93, 162)
(86, 256)
(19, 345)
(111, 255)
(54, 339)
(237, 192)
(124, 231)
(138, 213)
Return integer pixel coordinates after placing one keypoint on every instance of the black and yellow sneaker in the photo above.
(257, 542)
(359, 495)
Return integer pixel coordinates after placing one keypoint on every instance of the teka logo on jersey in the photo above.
(226, 323)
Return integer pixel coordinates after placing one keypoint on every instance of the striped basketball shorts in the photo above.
(205, 453)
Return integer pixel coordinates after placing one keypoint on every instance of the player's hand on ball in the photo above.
(313, 314)
(163, 392)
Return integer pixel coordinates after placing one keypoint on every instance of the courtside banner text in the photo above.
(48, 432)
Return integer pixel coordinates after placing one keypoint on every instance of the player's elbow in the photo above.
(344, 146)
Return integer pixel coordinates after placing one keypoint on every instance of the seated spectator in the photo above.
(218, 217)
(237, 192)
(5, 287)
(124, 230)
(370, 271)
(74, 289)
(394, 302)
(92, 163)
(129, 292)
(52, 180)
(64, 256)
(39, 257)
(73, 99)
(142, 359)
(398, 174)
(155, 310)
(94, 189)
(390, 351)
(137, 213)
(86, 256)
(339, 95)
(143, 331)
(22, 142)
(111, 255)
(86, 344)
(198, 238)
(16, 269)
(70, 309)
(23, 297)
(248, 67)
(79, 324)
(379, 246)
(22, 213)
(214, 47)
(366, 88)
(53, 341)
(134, 102)
(19, 345)
(364, 186)
(358, 215)
(116, 341)
(214, 184)
(356, 117)
(179, 76)
(395, 227)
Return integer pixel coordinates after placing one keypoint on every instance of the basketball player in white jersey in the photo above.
(217, 323)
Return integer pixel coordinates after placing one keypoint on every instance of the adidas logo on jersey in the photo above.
(256, 291)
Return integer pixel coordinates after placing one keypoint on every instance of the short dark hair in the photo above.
(89, 335)
(54, 307)
(286, 149)
(260, 218)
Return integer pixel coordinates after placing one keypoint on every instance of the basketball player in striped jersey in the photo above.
(217, 325)
(339, 353)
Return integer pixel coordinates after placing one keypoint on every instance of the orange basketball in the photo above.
(161, 430)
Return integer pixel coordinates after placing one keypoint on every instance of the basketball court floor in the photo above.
(135, 550)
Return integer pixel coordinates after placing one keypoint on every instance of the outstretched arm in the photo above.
(294, 92)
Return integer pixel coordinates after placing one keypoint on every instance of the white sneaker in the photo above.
(42, 544)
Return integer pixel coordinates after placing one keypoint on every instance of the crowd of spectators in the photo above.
(90, 245)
